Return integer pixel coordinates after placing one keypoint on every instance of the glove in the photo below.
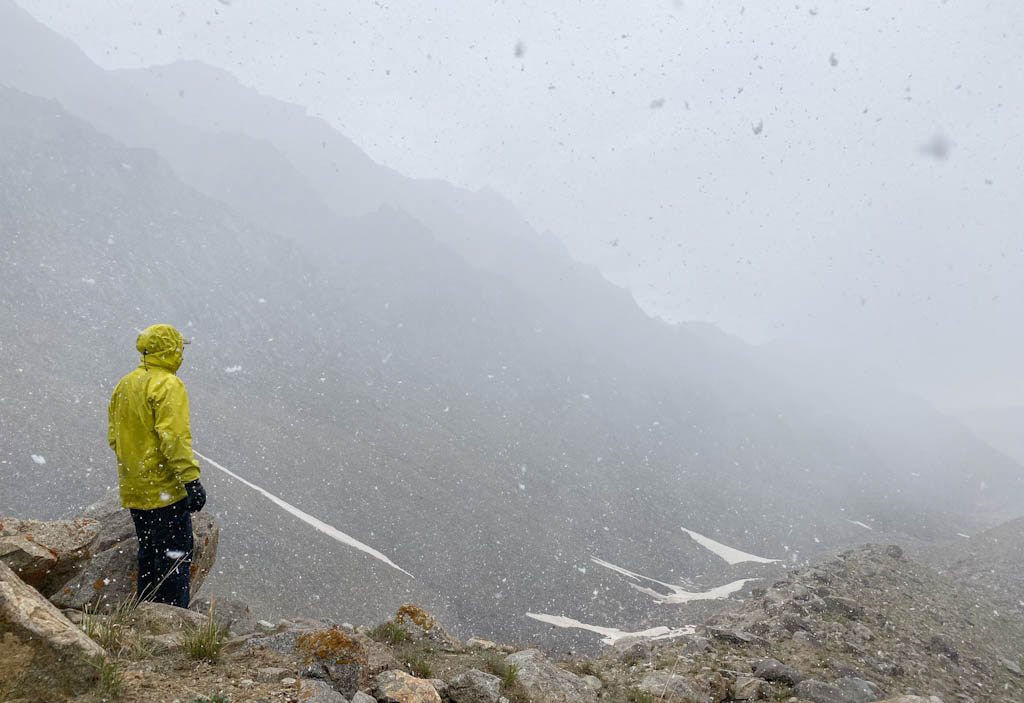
(196, 496)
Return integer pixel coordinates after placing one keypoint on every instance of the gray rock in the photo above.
(912, 699)
(1011, 666)
(271, 674)
(774, 670)
(115, 522)
(884, 666)
(313, 691)
(45, 555)
(544, 681)
(44, 655)
(672, 688)
(227, 611)
(733, 636)
(162, 619)
(845, 690)
(400, 687)
(474, 686)
(749, 688)
(844, 606)
(940, 644)
(361, 697)
(592, 681)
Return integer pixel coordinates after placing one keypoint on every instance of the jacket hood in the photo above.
(161, 346)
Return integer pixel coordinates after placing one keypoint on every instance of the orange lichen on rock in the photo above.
(99, 584)
(333, 645)
(417, 615)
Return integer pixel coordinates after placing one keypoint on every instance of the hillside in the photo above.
(991, 562)
(422, 371)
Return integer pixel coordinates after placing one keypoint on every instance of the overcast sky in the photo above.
(847, 173)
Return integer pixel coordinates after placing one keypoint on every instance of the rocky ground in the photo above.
(866, 625)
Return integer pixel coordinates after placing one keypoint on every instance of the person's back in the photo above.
(159, 477)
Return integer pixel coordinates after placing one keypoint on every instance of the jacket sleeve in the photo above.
(111, 433)
(170, 414)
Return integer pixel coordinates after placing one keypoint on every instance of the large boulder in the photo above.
(400, 687)
(115, 522)
(43, 655)
(845, 690)
(672, 688)
(110, 577)
(474, 686)
(46, 555)
(543, 681)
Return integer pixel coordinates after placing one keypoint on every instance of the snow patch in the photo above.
(323, 527)
(175, 554)
(610, 635)
(41, 460)
(858, 523)
(232, 369)
(730, 554)
(678, 593)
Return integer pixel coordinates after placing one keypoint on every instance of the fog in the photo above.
(627, 130)
(507, 309)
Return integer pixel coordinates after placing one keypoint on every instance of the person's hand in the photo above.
(196, 496)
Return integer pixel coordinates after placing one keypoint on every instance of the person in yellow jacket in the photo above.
(158, 474)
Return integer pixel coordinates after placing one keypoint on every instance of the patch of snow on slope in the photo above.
(678, 593)
(730, 554)
(610, 635)
(328, 530)
(858, 523)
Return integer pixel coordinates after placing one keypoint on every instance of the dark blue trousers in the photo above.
(165, 553)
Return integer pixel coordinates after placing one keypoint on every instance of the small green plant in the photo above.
(508, 673)
(586, 667)
(420, 668)
(204, 642)
(389, 632)
(109, 677)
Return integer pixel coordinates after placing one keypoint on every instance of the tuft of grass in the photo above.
(389, 632)
(586, 667)
(112, 630)
(109, 676)
(204, 642)
(508, 673)
(420, 668)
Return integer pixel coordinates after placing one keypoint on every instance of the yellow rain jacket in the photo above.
(149, 428)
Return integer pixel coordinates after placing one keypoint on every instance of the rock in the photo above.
(633, 649)
(884, 666)
(115, 522)
(109, 578)
(748, 688)
(45, 555)
(44, 655)
(400, 687)
(845, 690)
(480, 643)
(713, 684)
(593, 682)
(1011, 666)
(474, 686)
(233, 613)
(941, 644)
(160, 619)
(313, 691)
(672, 688)
(774, 670)
(894, 551)
(544, 681)
(912, 699)
(361, 697)
(844, 606)
(162, 644)
(733, 636)
(271, 674)
(862, 632)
